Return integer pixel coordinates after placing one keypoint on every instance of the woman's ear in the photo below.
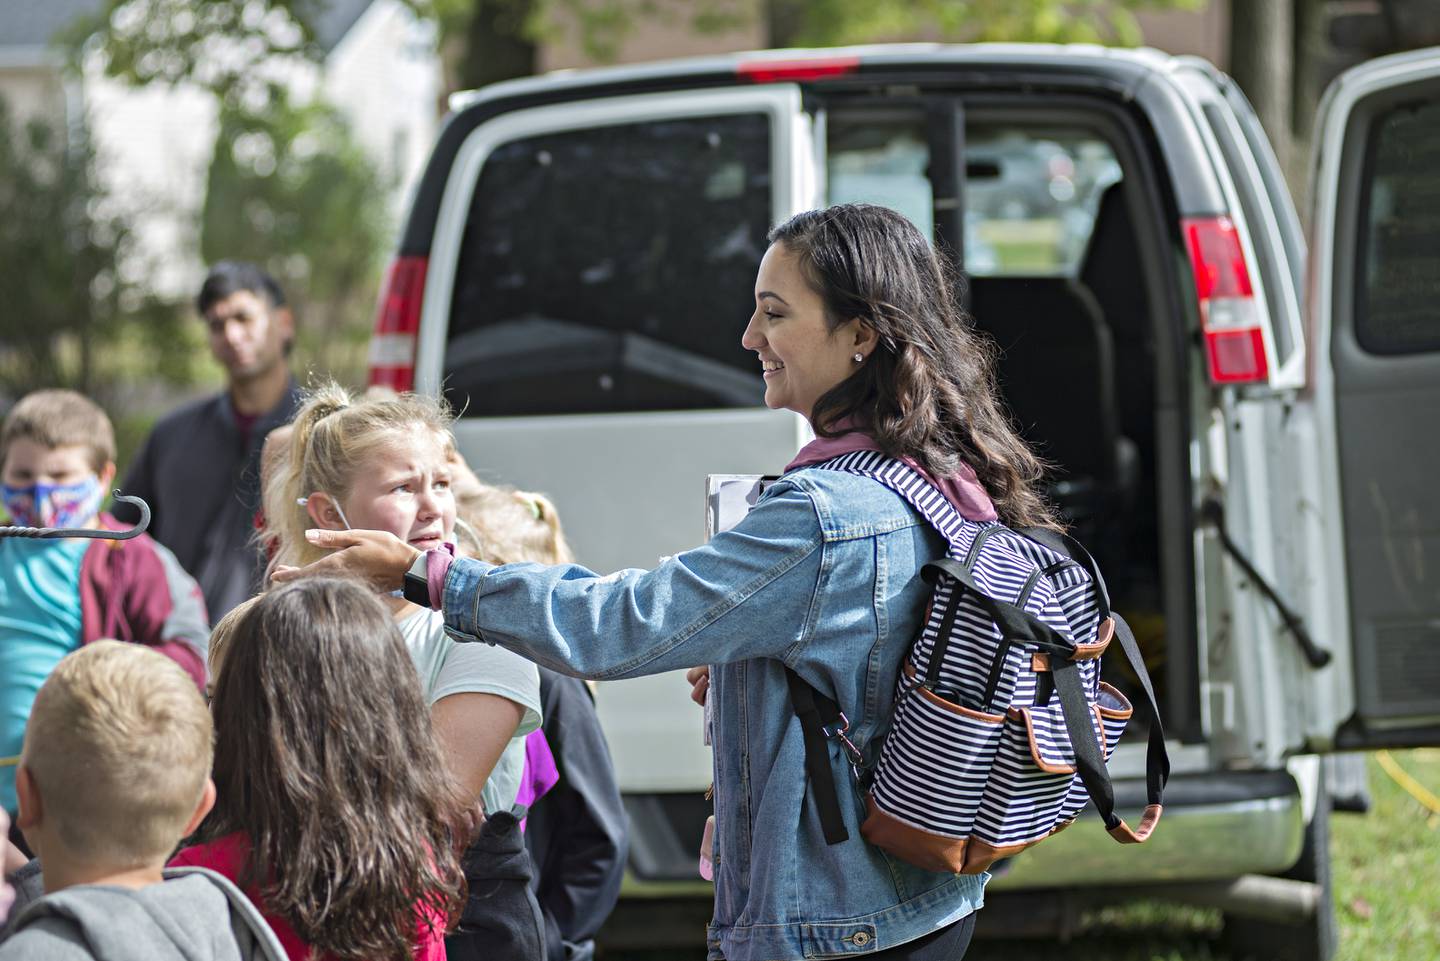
(866, 337)
(322, 510)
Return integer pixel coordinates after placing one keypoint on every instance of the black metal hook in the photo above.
(100, 535)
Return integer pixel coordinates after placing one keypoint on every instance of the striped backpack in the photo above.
(1001, 727)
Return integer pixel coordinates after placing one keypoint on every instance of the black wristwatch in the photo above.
(417, 581)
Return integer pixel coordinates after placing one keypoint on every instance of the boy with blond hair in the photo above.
(57, 460)
(115, 771)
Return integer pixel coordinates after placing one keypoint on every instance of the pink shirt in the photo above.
(227, 856)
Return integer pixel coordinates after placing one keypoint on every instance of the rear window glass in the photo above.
(612, 269)
(1397, 308)
(1031, 195)
(881, 159)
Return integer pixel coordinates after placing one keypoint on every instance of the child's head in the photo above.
(220, 636)
(325, 758)
(511, 526)
(374, 463)
(57, 459)
(116, 764)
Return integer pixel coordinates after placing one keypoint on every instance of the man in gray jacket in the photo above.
(115, 771)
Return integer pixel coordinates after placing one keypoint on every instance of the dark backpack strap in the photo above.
(1074, 705)
(817, 714)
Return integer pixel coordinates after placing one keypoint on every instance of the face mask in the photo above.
(53, 505)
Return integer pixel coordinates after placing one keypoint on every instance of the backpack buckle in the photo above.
(836, 732)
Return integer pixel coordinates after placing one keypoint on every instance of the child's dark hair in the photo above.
(324, 757)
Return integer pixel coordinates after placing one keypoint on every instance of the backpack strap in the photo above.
(820, 719)
(1065, 675)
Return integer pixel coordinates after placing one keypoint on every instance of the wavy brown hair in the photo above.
(928, 390)
(324, 757)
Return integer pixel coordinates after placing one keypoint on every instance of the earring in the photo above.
(859, 357)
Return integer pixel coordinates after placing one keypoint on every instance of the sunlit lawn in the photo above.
(1387, 892)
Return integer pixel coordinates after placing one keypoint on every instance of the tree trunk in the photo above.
(784, 19)
(1308, 83)
(1261, 55)
(496, 47)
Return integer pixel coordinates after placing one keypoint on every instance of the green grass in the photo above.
(1387, 892)
(1387, 895)
(1387, 868)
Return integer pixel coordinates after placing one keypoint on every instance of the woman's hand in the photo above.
(699, 681)
(377, 557)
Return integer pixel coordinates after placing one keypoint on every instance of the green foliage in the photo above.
(236, 48)
(61, 244)
(827, 22)
(290, 188)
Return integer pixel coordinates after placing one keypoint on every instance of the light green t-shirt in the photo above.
(447, 667)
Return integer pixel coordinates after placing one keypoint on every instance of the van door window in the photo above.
(881, 158)
(610, 269)
(1031, 196)
(1398, 282)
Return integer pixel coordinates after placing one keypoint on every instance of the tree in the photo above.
(290, 188)
(234, 46)
(61, 247)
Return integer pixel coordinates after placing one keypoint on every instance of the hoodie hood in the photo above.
(194, 915)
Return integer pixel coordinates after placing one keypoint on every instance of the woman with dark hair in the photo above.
(857, 328)
(334, 811)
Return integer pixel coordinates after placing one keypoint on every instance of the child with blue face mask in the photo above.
(57, 460)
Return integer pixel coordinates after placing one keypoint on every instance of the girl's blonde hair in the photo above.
(220, 636)
(334, 433)
(502, 525)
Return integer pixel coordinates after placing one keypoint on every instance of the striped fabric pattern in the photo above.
(1001, 772)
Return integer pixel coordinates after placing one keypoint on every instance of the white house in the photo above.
(379, 68)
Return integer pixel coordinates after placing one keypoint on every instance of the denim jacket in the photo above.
(820, 576)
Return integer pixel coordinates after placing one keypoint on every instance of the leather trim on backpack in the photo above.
(935, 852)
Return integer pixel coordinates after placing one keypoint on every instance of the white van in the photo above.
(1248, 446)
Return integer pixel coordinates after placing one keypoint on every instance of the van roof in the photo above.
(1123, 65)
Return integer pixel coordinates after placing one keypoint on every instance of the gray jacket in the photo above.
(195, 915)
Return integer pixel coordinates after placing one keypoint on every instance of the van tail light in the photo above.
(1229, 316)
(807, 68)
(397, 325)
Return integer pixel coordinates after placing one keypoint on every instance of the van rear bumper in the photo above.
(1215, 826)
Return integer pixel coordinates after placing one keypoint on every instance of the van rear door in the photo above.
(1375, 317)
(591, 272)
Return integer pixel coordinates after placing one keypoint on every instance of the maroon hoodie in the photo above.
(137, 591)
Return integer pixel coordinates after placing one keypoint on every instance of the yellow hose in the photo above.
(1410, 786)
(9, 761)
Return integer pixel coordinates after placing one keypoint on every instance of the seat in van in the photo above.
(1108, 272)
(1057, 372)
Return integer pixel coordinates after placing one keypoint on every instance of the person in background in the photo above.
(116, 771)
(577, 831)
(57, 459)
(199, 469)
(334, 811)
